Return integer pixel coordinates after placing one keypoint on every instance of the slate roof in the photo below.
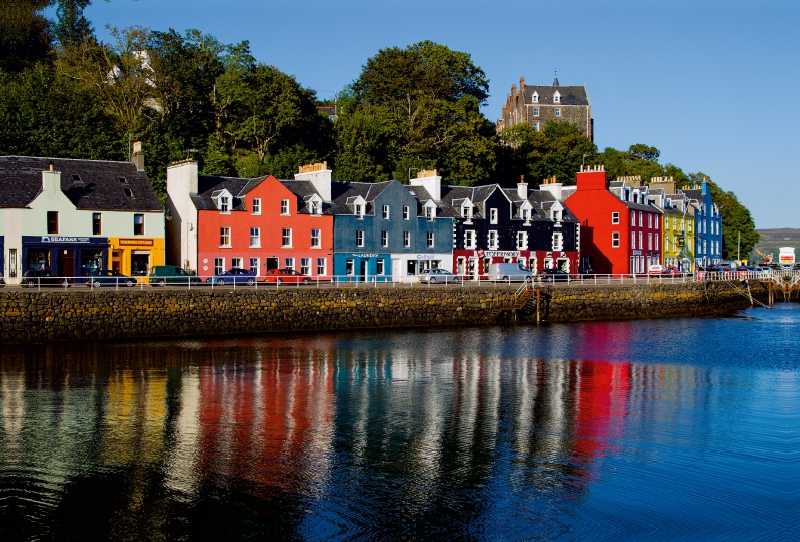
(304, 190)
(617, 191)
(207, 185)
(89, 184)
(569, 95)
(477, 195)
(342, 190)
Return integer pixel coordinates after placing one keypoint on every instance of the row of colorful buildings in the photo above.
(74, 216)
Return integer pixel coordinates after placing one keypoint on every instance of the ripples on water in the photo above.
(661, 429)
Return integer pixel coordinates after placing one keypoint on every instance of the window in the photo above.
(236, 262)
(289, 264)
(359, 238)
(633, 218)
(656, 220)
(256, 206)
(615, 239)
(493, 239)
(558, 111)
(649, 241)
(666, 242)
(284, 206)
(254, 268)
(536, 126)
(469, 239)
(224, 205)
(555, 214)
(430, 239)
(219, 266)
(429, 213)
(522, 240)
(255, 237)
(316, 208)
(558, 241)
(138, 224)
(526, 214)
(386, 212)
(406, 238)
(493, 216)
(641, 240)
(384, 238)
(556, 98)
(350, 267)
(633, 240)
(649, 220)
(641, 219)
(535, 97)
(97, 228)
(225, 236)
(321, 266)
(535, 111)
(360, 211)
(615, 217)
(127, 191)
(379, 267)
(656, 239)
(305, 266)
(316, 238)
(406, 212)
(286, 237)
(52, 222)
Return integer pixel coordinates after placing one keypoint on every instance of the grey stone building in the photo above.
(539, 104)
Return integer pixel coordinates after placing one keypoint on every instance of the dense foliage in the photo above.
(64, 93)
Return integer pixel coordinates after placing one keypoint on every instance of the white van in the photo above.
(509, 272)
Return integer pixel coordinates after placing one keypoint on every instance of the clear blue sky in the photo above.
(713, 84)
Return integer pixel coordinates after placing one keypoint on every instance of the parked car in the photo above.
(161, 275)
(656, 269)
(552, 275)
(98, 278)
(286, 276)
(39, 277)
(585, 270)
(434, 276)
(510, 272)
(234, 275)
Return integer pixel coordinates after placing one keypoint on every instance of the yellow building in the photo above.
(678, 224)
(135, 256)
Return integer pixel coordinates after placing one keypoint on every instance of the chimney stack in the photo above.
(522, 188)
(430, 181)
(319, 175)
(137, 157)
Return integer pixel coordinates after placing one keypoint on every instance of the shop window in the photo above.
(289, 264)
(91, 260)
(256, 206)
(411, 267)
(384, 238)
(406, 238)
(615, 239)
(254, 267)
(52, 222)
(350, 267)
(430, 239)
(321, 266)
(379, 267)
(225, 236)
(286, 238)
(219, 266)
(255, 237)
(359, 238)
(97, 226)
(316, 238)
(305, 266)
(138, 224)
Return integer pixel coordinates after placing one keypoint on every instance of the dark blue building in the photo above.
(707, 226)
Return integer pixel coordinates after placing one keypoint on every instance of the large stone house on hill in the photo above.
(537, 105)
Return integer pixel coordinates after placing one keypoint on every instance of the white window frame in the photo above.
(649, 241)
(406, 238)
(649, 220)
(469, 239)
(615, 239)
(558, 111)
(406, 212)
(633, 240)
(286, 234)
(224, 205)
(322, 266)
(430, 239)
(641, 219)
(239, 261)
(379, 266)
(641, 239)
(615, 217)
(256, 206)
(492, 239)
(359, 238)
(305, 266)
(225, 237)
(255, 268)
(385, 212)
(360, 211)
(316, 238)
(558, 241)
(384, 238)
(288, 263)
(535, 111)
(493, 216)
(522, 240)
(536, 126)
(255, 237)
(285, 211)
(219, 266)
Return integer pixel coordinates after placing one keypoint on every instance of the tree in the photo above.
(639, 159)
(25, 36)
(71, 25)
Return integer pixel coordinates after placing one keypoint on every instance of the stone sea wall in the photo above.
(55, 315)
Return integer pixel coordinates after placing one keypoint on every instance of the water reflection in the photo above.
(406, 435)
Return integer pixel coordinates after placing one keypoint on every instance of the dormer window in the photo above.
(526, 214)
(429, 214)
(555, 214)
(315, 207)
(360, 210)
(535, 97)
(467, 212)
(557, 98)
(224, 205)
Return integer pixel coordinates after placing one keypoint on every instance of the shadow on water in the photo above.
(597, 429)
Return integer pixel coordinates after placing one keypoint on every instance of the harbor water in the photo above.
(653, 429)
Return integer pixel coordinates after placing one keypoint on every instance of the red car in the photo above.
(286, 276)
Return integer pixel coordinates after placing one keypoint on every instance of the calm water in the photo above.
(662, 429)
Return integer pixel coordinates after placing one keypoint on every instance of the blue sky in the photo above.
(712, 84)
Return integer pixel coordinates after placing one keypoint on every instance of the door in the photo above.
(396, 270)
(271, 263)
(66, 263)
(363, 272)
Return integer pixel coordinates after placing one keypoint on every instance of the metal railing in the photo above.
(369, 281)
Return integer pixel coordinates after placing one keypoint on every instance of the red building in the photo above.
(620, 228)
(262, 224)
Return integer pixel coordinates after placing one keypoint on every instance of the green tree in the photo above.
(71, 26)
(216, 160)
(25, 34)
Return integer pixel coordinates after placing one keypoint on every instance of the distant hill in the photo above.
(773, 239)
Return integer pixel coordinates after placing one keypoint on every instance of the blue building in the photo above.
(707, 226)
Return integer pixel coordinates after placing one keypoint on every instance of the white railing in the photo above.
(356, 281)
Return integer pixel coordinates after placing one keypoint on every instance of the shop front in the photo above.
(135, 257)
(476, 264)
(66, 256)
(362, 267)
(416, 264)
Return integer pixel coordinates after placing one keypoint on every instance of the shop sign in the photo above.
(426, 256)
(135, 242)
(49, 239)
(361, 255)
(500, 253)
(637, 252)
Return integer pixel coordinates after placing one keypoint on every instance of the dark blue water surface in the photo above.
(655, 429)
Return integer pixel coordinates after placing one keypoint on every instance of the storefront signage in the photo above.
(362, 255)
(637, 252)
(66, 240)
(499, 253)
(135, 242)
(426, 256)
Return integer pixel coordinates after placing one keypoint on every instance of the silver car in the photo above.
(443, 276)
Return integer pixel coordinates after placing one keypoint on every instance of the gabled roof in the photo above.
(342, 190)
(207, 185)
(477, 194)
(89, 184)
(569, 95)
(305, 192)
(617, 192)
